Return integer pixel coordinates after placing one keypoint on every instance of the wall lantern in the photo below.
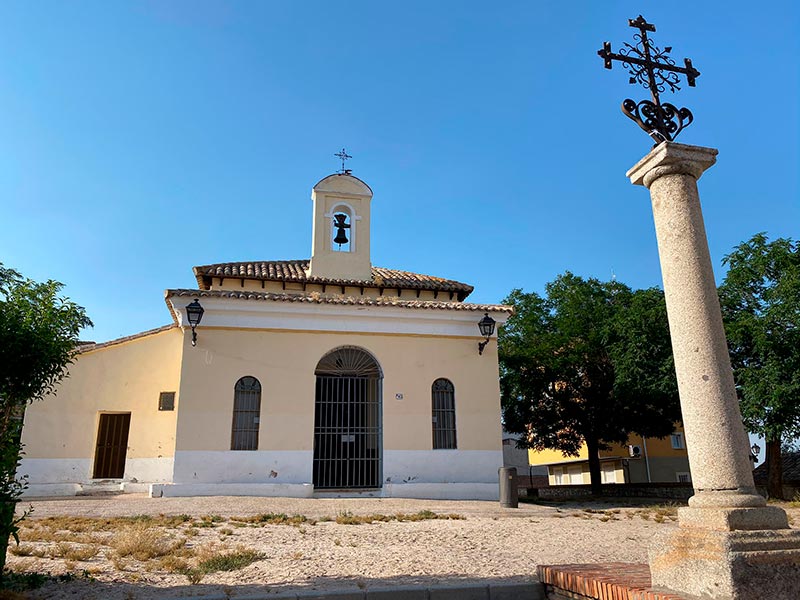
(486, 325)
(194, 312)
(755, 450)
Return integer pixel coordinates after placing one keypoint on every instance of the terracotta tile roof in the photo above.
(317, 298)
(791, 469)
(295, 271)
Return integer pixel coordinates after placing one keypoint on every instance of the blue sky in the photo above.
(139, 139)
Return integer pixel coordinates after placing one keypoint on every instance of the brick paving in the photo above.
(606, 581)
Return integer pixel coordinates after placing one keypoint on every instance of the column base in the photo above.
(733, 518)
(729, 565)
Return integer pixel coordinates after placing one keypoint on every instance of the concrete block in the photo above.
(261, 596)
(732, 519)
(332, 595)
(517, 591)
(460, 592)
(399, 593)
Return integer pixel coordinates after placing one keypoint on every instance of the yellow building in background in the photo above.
(641, 460)
(307, 377)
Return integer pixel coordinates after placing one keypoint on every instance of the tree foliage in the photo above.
(760, 299)
(38, 337)
(589, 363)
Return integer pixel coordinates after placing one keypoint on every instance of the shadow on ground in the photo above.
(86, 589)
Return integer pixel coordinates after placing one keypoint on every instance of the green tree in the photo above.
(760, 299)
(38, 339)
(589, 363)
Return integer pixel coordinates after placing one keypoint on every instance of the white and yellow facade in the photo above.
(273, 323)
(641, 460)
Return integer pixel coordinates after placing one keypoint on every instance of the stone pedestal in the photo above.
(727, 535)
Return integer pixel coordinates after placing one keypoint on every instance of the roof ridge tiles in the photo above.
(296, 270)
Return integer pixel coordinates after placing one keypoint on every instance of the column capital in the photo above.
(669, 158)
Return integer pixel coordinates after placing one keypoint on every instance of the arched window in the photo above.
(444, 415)
(246, 414)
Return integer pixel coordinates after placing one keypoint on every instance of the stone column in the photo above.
(712, 553)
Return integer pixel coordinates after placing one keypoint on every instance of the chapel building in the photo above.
(306, 377)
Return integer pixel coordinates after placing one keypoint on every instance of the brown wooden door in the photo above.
(112, 446)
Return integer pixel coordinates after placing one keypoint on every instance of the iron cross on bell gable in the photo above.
(343, 156)
(652, 67)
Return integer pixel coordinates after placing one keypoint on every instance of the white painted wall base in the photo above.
(44, 490)
(443, 491)
(135, 488)
(235, 466)
(149, 470)
(433, 491)
(441, 466)
(422, 491)
(56, 470)
(70, 476)
(169, 490)
(435, 474)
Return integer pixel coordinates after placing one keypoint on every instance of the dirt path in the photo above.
(488, 543)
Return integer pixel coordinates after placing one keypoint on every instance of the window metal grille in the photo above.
(246, 414)
(444, 415)
(347, 421)
(166, 401)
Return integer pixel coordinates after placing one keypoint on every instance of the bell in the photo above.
(341, 236)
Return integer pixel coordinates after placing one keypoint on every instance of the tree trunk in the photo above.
(11, 431)
(774, 470)
(6, 524)
(594, 465)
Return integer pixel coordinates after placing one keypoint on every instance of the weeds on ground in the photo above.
(208, 521)
(231, 560)
(28, 550)
(131, 545)
(658, 513)
(143, 542)
(213, 560)
(95, 524)
(170, 564)
(15, 582)
(348, 518)
(273, 519)
(74, 552)
(604, 516)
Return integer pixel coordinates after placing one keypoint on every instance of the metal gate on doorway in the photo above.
(347, 421)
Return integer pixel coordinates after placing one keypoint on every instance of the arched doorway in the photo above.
(347, 420)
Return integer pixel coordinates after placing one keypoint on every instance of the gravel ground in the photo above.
(489, 543)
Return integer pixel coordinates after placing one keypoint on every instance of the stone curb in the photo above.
(473, 591)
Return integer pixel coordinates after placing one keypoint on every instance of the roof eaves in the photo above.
(317, 298)
(91, 347)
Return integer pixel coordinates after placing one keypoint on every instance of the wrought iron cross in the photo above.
(652, 67)
(343, 156)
